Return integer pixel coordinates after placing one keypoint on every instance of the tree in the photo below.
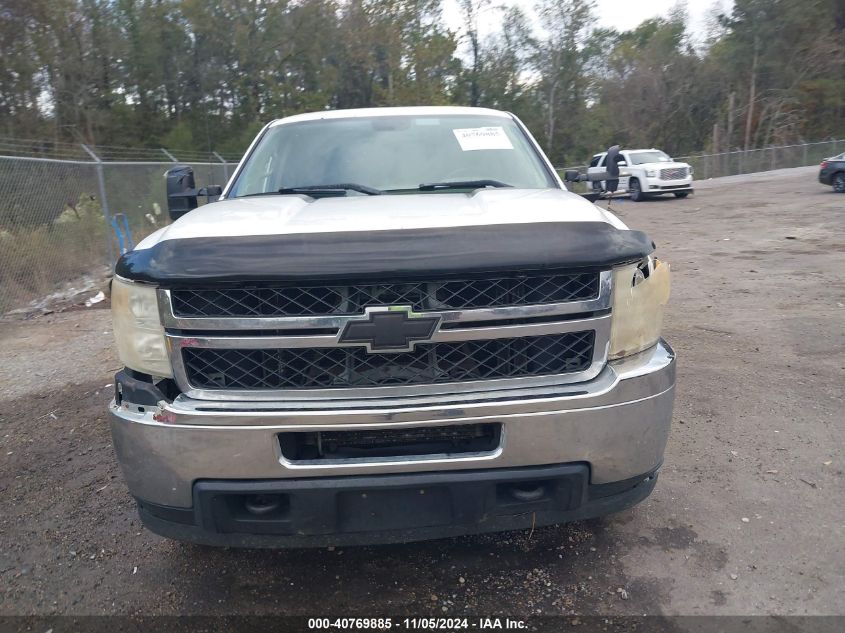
(505, 64)
(559, 61)
(206, 74)
(470, 10)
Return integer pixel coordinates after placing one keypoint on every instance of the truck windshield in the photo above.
(653, 156)
(393, 154)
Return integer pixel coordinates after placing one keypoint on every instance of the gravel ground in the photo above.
(746, 518)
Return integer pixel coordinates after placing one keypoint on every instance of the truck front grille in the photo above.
(508, 289)
(338, 367)
(673, 173)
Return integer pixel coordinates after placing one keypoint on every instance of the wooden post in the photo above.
(730, 135)
(715, 151)
(752, 96)
(731, 104)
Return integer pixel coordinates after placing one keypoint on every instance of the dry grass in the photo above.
(36, 261)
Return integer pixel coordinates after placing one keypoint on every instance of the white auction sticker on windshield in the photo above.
(473, 138)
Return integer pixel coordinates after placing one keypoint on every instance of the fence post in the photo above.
(225, 165)
(104, 202)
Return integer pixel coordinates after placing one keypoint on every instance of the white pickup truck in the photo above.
(394, 324)
(646, 172)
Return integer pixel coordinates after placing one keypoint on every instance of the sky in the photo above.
(622, 15)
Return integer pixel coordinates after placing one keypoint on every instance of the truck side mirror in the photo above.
(181, 191)
(572, 175)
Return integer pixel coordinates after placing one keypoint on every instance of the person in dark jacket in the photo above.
(614, 157)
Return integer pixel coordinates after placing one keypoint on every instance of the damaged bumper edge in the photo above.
(617, 424)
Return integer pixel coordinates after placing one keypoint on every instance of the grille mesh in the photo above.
(673, 173)
(333, 367)
(352, 299)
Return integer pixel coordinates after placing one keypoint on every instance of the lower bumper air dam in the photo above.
(393, 508)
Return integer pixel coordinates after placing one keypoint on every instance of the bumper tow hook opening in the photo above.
(528, 491)
(261, 505)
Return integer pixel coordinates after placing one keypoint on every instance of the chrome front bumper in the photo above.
(654, 185)
(618, 423)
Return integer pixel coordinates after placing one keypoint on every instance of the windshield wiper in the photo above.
(462, 184)
(333, 189)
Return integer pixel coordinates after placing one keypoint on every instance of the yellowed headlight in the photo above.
(137, 328)
(637, 308)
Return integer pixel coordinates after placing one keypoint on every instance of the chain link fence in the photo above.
(755, 160)
(764, 159)
(67, 211)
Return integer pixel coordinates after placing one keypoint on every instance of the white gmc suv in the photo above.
(646, 172)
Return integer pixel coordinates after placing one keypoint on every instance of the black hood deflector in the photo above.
(442, 251)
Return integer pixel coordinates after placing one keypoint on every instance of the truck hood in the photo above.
(299, 214)
(292, 238)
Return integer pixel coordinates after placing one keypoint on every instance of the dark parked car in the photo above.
(833, 172)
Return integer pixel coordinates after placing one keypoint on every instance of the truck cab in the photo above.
(646, 173)
(394, 324)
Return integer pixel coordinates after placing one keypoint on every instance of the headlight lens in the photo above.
(137, 328)
(639, 293)
(651, 173)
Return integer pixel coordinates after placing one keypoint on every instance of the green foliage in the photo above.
(181, 136)
(205, 75)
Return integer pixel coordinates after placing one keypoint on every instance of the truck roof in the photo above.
(403, 111)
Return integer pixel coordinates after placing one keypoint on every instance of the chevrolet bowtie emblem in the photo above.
(389, 329)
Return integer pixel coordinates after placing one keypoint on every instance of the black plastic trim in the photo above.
(353, 444)
(395, 508)
(183, 516)
(135, 390)
(360, 255)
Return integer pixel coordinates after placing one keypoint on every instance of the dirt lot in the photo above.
(747, 517)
